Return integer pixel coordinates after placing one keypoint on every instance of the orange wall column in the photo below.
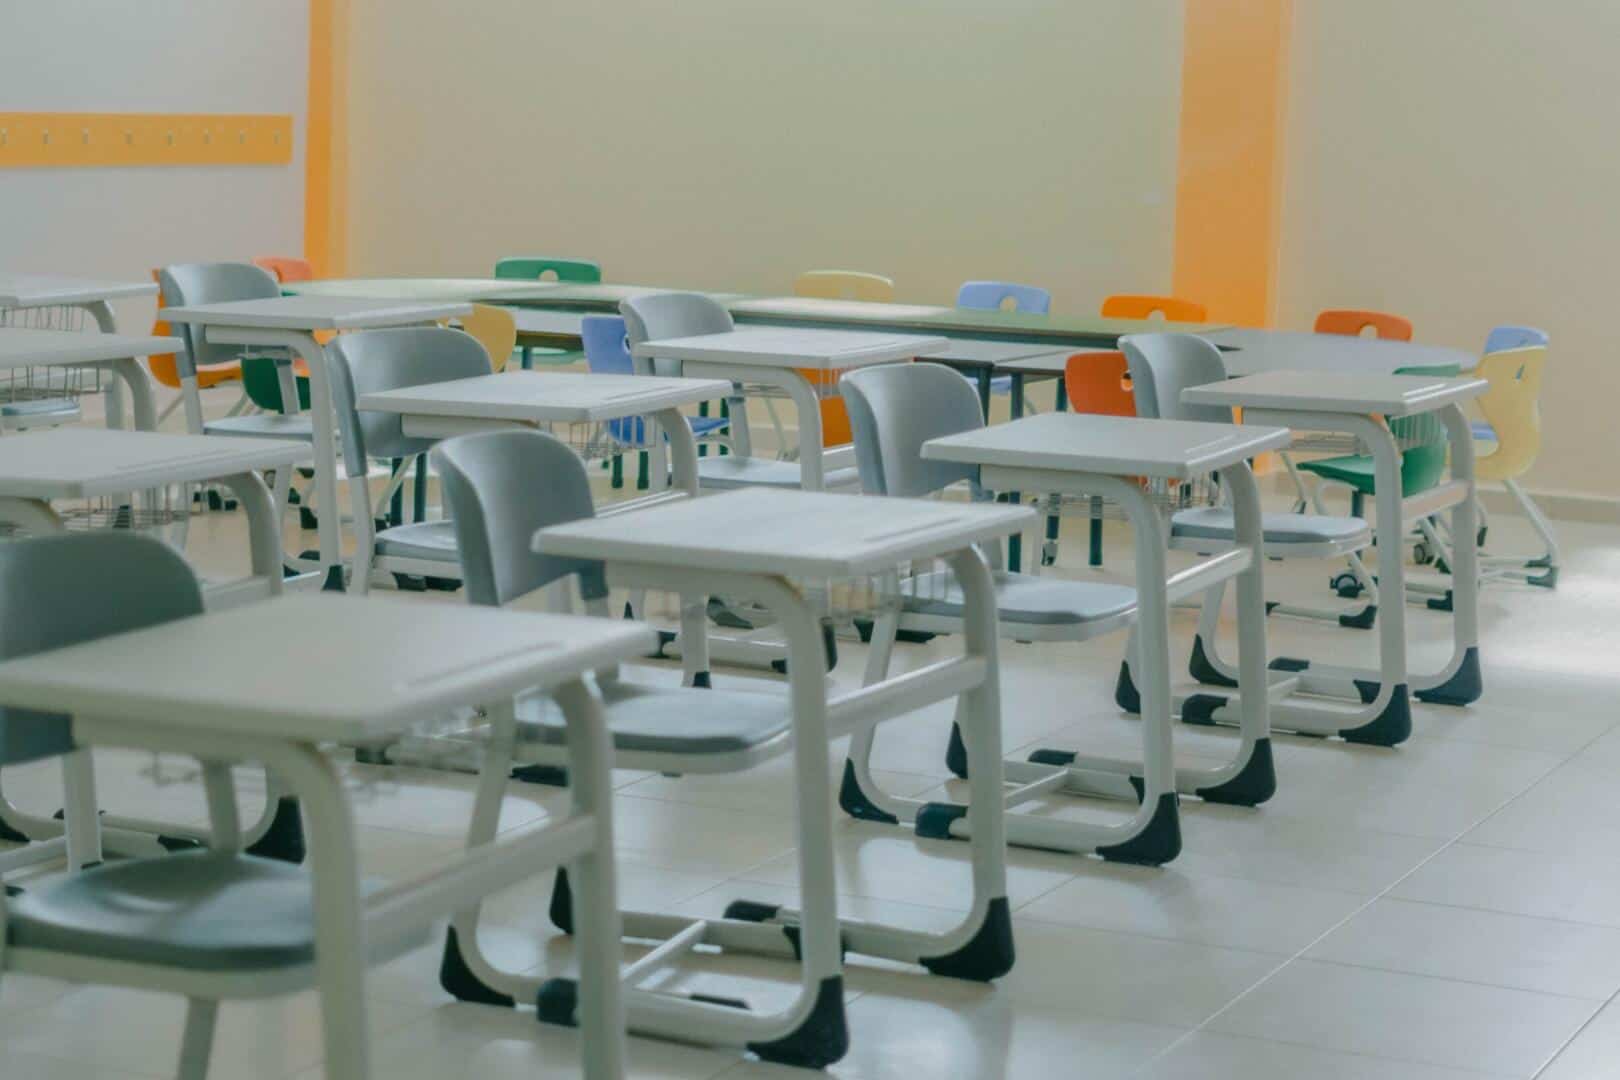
(326, 139)
(1229, 187)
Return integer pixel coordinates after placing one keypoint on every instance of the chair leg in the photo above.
(1538, 522)
(80, 823)
(197, 1044)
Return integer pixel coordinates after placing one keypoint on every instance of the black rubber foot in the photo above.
(459, 981)
(829, 645)
(722, 616)
(1125, 694)
(1272, 605)
(822, 1039)
(549, 775)
(1361, 620)
(13, 890)
(1253, 785)
(914, 637)
(1392, 727)
(779, 666)
(934, 820)
(1200, 709)
(307, 519)
(410, 583)
(1289, 663)
(750, 911)
(1463, 688)
(1549, 580)
(556, 1002)
(956, 753)
(371, 755)
(987, 955)
(1155, 845)
(856, 804)
(1544, 563)
(334, 579)
(1060, 758)
(284, 840)
(863, 628)
(179, 843)
(1440, 603)
(561, 910)
(1203, 669)
(10, 835)
(442, 584)
(702, 681)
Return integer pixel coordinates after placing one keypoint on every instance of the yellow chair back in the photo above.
(495, 330)
(845, 285)
(1511, 406)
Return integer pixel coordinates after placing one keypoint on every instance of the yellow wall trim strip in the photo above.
(1229, 184)
(92, 140)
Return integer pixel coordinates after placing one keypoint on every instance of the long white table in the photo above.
(387, 667)
(1357, 404)
(772, 356)
(291, 322)
(1253, 352)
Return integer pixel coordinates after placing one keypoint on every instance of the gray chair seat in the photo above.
(1025, 599)
(64, 407)
(263, 426)
(435, 540)
(1215, 523)
(199, 911)
(731, 471)
(670, 719)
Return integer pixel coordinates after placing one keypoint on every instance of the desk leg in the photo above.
(1015, 542)
(1461, 681)
(130, 372)
(264, 525)
(683, 474)
(982, 378)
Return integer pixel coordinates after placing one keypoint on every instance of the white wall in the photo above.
(1457, 163)
(734, 143)
(182, 56)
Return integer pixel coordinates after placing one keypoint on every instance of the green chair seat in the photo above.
(1422, 465)
(263, 386)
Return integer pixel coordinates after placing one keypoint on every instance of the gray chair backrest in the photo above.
(893, 410)
(378, 360)
(185, 284)
(671, 315)
(1163, 365)
(502, 487)
(61, 590)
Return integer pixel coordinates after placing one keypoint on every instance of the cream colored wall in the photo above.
(734, 143)
(1456, 162)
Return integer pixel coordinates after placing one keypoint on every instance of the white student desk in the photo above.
(387, 668)
(22, 347)
(1354, 404)
(760, 544)
(1252, 352)
(39, 467)
(768, 356)
(1091, 455)
(291, 322)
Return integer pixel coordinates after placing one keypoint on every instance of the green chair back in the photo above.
(535, 267)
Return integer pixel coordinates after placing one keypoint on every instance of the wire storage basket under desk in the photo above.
(1168, 496)
(45, 396)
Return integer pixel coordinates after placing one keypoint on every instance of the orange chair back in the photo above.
(1099, 383)
(1355, 323)
(286, 268)
(1172, 308)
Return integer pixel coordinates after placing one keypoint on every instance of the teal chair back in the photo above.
(1422, 438)
(536, 267)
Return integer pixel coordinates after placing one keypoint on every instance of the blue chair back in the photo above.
(991, 295)
(607, 352)
(1503, 338)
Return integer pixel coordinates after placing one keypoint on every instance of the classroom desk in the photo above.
(39, 467)
(388, 667)
(1088, 455)
(291, 322)
(761, 544)
(1354, 404)
(771, 357)
(23, 348)
(982, 361)
(1251, 352)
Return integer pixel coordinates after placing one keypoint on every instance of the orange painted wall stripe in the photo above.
(326, 139)
(1229, 188)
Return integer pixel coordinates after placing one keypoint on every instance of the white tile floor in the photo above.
(1448, 909)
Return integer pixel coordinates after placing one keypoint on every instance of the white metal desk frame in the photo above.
(24, 347)
(767, 356)
(76, 463)
(235, 706)
(1084, 454)
(531, 399)
(752, 543)
(1354, 404)
(18, 291)
(290, 322)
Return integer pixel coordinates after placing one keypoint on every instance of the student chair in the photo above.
(671, 315)
(421, 554)
(501, 488)
(1169, 308)
(1161, 367)
(165, 369)
(836, 285)
(1511, 441)
(1353, 323)
(1004, 296)
(285, 267)
(495, 329)
(608, 353)
(221, 282)
(172, 922)
(548, 268)
(1097, 383)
